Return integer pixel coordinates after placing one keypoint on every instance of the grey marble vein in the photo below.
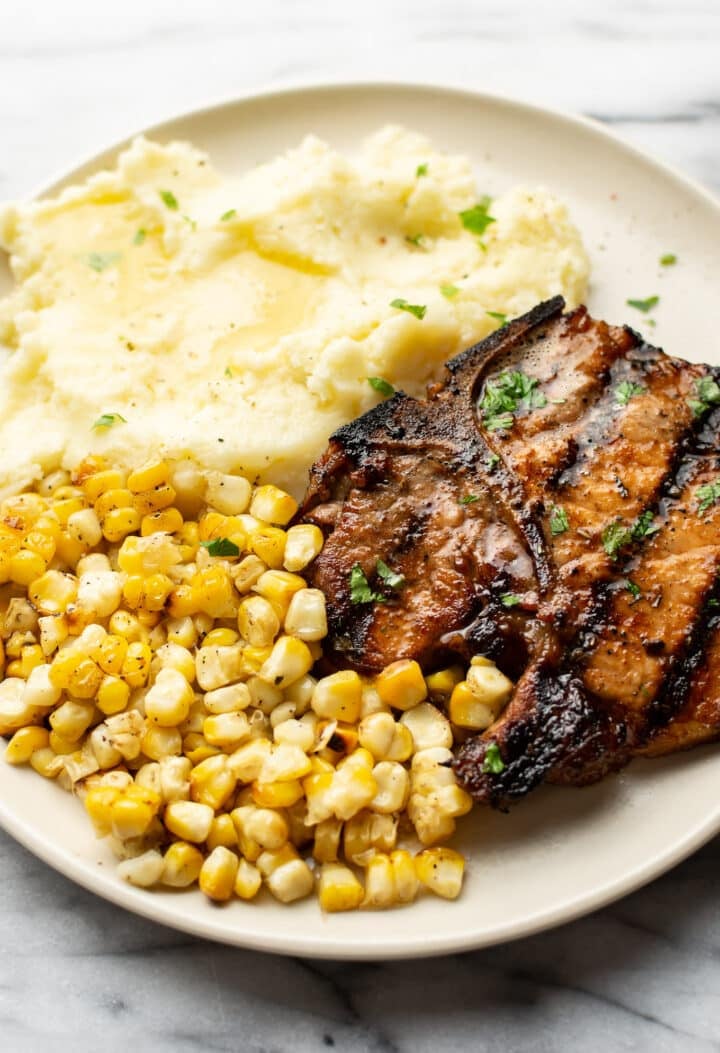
(78, 974)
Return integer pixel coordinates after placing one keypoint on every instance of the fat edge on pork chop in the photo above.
(554, 505)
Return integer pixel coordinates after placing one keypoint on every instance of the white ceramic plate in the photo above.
(563, 852)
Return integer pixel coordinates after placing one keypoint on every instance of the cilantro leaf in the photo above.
(708, 495)
(382, 386)
(644, 305)
(388, 576)
(231, 212)
(108, 419)
(412, 308)
(510, 599)
(668, 260)
(493, 459)
(634, 590)
(558, 520)
(498, 316)
(614, 537)
(416, 240)
(626, 390)
(228, 371)
(169, 199)
(449, 291)
(100, 261)
(421, 170)
(221, 546)
(469, 499)
(360, 591)
(508, 394)
(140, 235)
(477, 219)
(644, 526)
(493, 763)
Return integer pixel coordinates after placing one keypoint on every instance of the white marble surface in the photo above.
(77, 973)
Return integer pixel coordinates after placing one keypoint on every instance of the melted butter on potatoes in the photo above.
(238, 320)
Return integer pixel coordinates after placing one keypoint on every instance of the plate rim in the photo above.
(323, 945)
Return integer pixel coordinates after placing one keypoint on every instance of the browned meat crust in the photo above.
(614, 626)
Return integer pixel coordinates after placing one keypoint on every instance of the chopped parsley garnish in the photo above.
(221, 546)
(493, 459)
(421, 170)
(469, 499)
(708, 495)
(626, 390)
(228, 371)
(382, 386)
(477, 219)
(231, 212)
(416, 240)
(360, 591)
(510, 393)
(493, 763)
(108, 419)
(558, 520)
(634, 590)
(708, 392)
(169, 199)
(498, 316)
(412, 308)
(140, 236)
(616, 535)
(668, 260)
(449, 291)
(509, 599)
(100, 261)
(388, 576)
(644, 305)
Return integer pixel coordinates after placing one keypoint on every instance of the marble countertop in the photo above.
(77, 973)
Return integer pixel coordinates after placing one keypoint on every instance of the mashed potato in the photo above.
(238, 320)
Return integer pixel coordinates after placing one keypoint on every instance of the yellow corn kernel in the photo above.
(100, 482)
(302, 544)
(268, 544)
(156, 589)
(289, 660)
(442, 682)
(247, 573)
(286, 875)
(488, 684)
(98, 804)
(196, 749)
(393, 787)
(184, 600)
(70, 671)
(273, 505)
(66, 507)
(306, 616)
(113, 695)
(168, 701)
(24, 743)
(220, 638)
(128, 627)
(159, 742)
(253, 659)
(112, 501)
(119, 523)
(14, 669)
(47, 486)
(338, 888)
(111, 654)
(26, 567)
(226, 730)
(148, 501)
(246, 762)
(338, 696)
(441, 870)
(386, 739)
(152, 474)
(277, 794)
(133, 590)
(404, 875)
(466, 710)
(265, 826)
(317, 788)
(222, 832)
(365, 834)
(217, 874)
(379, 882)
(31, 656)
(47, 763)
(212, 781)
(165, 521)
(189, 820)
(72, 719)
(428, 726)
(181, 631)
(257, 621)
(279, 587)
(68, 550)
(327, 840)
(133, 811)
(84, 527)
(401, 684)
(212, 526)
(182, 865)
(63, 747)
(353, 788)
(214, 592)
(136, 666)
(247, 880)
(41, 542)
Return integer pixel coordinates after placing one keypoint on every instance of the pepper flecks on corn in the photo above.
(162, 667)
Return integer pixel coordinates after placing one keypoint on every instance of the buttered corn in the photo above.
(162, 666)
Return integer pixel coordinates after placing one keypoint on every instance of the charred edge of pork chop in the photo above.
(597, 735)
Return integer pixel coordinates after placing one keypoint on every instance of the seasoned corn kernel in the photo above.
(401, 684)
(182, 864)
(441, 870)
(338, 888)
(302, 544)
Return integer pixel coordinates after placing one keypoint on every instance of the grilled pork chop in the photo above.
(554, 505)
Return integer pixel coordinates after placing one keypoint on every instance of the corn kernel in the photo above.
(119, 523)
(24, 743)
(306, 617)
(441, 871)
(428, 726)
(302, 544)
(404, 875)
(218, 873)
(277, 794)
(47, 763)
(165, 521)
(257, 621)
(110, 501)
(26, 566)
(443, 681)
(144, 871)
(167, 703)
(133, 811)
(152, 474)
(230, 699)
(100, 482)
(229, 494)
(273, 505)
(247, 573)
(136, 667)
(146, 502)
(247, 880)
(365, 834)
(111, 654)
(84, 526)
(327, 840)
(159, 742)
(222, 832)
(290, 659)
(338, 696)
(379, 882)
(212, 781)
(189, 820)
(42, 542)
(338, 888)
(401, 684)
(182, 865)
